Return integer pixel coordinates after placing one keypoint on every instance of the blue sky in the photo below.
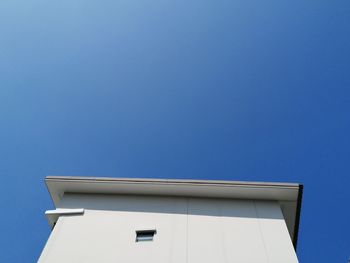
(224, 89)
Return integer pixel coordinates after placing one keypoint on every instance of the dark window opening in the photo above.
(145, 235)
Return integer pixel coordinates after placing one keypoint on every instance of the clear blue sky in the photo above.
(213, 89)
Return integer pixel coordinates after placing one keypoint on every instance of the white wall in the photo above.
(189, 230)
(238, 231)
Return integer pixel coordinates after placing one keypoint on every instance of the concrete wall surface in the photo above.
(188, 230)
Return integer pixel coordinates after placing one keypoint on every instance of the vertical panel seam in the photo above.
(261, 232)
(187, 202)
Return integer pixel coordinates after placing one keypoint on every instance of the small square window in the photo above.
(145, 235)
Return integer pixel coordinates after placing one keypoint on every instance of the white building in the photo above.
(107, 220)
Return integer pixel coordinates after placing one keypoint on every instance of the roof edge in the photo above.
(168, 181)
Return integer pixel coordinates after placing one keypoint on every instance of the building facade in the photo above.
(109, 220)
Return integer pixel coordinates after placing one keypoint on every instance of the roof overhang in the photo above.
(287, 194)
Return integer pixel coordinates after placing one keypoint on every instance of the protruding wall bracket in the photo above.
(53, 215)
